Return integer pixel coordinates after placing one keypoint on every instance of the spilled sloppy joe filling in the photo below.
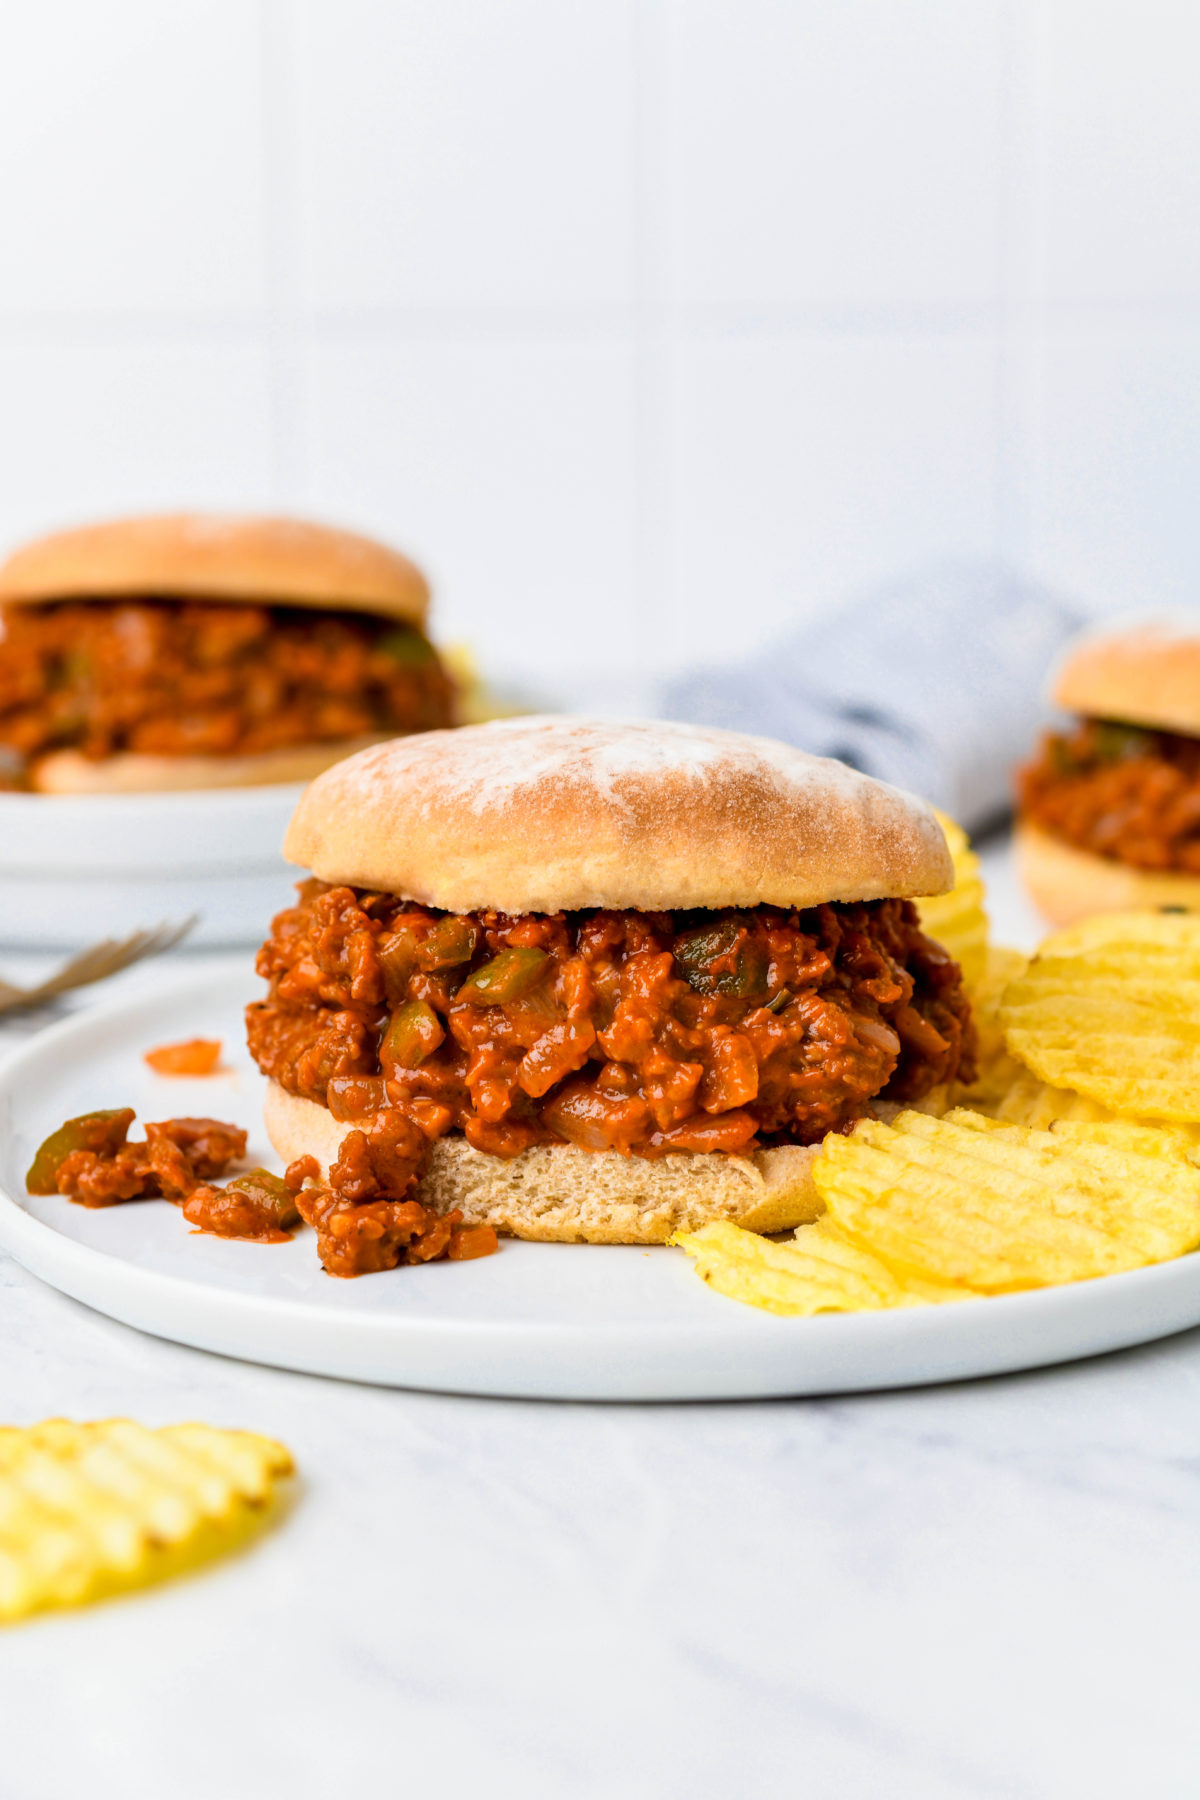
(183, 678)
(643, 1033)
(1119, 791)
(362, 1219)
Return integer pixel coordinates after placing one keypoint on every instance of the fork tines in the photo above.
(97, 963)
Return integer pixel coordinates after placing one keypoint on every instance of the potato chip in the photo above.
(997, 1069)
(969, 1200)
(958, 920)
(1110, 1008)
(93, 1509)
(1002, 968)
(1149, 1136)
(1028, 1101)
(819, 1270)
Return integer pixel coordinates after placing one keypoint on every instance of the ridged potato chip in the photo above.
(88, 1510)
(997, 1069)
(958, 919)
(997, 1208)
(1028, 1101)
(818, 1270)
(1110, 1008)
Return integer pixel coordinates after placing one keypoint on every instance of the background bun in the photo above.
(542, 814)
(208, 556)
(1145, 674)
(127, 772)
(556, 1194)
(1066, 883)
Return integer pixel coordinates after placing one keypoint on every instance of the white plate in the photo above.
(140, 858)
(553, 1321)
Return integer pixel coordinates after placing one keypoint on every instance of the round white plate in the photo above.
(142, 858)
(550, 1321)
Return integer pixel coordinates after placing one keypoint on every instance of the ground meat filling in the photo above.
(93, 1162)
(173, 678)
(638, 1032)
(1120, 792)
(366, 1216)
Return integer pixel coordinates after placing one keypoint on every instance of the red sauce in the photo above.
(196, 1056)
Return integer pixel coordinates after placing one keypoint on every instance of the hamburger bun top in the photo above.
(555, 814)
(207, 556)
(1147, 673)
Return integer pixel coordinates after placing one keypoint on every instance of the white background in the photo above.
(682, 315)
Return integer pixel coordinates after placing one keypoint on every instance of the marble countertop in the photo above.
(986, 1589)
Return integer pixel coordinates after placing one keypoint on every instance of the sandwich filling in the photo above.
(1119, 791)
(643, 1033)
(183, 678)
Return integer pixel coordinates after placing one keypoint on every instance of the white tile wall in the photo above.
(130, 158)
(837, 153)
(1118, 131)
(808, 464)
(682, 314)
(1112, 445)
(507, 466)
(464, 154)
(94, 427)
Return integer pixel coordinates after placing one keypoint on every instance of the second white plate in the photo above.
(78, 867)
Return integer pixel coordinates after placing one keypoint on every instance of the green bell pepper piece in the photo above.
(99, 1131)
(506, 977)
(414, 1033)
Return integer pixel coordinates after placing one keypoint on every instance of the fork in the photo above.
(95, 964)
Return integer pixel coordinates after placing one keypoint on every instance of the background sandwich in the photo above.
(188, 651)
(1110, 808)
(595, 981)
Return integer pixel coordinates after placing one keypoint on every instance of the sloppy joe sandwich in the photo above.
(1110, 806)
(595, 981)
(189, 651)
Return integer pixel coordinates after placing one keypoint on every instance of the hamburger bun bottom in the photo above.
(557, 1194)
(1067, 884)
(69, 772)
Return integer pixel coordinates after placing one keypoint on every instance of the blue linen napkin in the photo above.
(934, 683)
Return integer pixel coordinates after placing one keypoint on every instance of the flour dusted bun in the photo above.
(287, 562)
(554, 1193)
(1066, 883)
(556, 813)
(1145, 673)
(128, 772)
